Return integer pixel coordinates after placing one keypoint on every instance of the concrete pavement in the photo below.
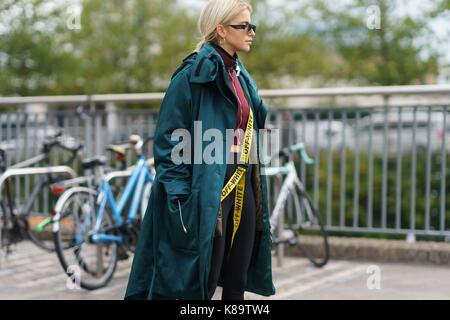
(30, 273)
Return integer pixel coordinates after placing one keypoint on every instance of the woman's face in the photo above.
(236, 38)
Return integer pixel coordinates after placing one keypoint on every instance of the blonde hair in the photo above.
(218, 12)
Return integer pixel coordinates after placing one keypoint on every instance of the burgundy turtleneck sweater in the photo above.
(243, 109)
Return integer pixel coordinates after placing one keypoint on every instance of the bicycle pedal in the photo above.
(122, 254)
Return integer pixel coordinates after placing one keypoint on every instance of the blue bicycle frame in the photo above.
(134, 188)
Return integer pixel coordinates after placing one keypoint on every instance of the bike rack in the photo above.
(126, 173)
(150, 162)
(117, 174)
(34, 171)
(280, 249)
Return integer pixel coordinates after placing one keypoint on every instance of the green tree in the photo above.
(282, 51)
(131, 46)
(32, 54)
(122, 46)
(397, 53)
(135, 45)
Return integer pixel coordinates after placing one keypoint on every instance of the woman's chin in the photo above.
(246, 47)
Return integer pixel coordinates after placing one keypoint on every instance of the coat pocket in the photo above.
(183, 222)
(177, 272)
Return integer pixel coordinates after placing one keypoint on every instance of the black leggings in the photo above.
(234, 265)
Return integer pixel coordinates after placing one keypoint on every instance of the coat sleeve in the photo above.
(175, 113)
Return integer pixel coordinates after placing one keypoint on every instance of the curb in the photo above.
(379, 250)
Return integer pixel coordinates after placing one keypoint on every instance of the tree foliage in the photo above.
(135, 45)
(398, 51)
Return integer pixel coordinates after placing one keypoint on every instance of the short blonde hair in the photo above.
(218, 12)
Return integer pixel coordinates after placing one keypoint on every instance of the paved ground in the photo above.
(30, 273)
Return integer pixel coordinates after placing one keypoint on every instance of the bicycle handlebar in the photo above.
(71, 149)
(55, 141)
(299, 147)
(133, 140)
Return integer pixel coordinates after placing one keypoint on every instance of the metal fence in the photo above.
(378, 169)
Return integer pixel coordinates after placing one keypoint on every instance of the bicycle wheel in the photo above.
(87, 264)
(12, 229)
(4, 232)
(10, 232)
(130, 232)
(37, 214)
(312, 239)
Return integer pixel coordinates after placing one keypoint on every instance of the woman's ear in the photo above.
(221, 32)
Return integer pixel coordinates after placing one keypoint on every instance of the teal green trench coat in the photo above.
(169, 261)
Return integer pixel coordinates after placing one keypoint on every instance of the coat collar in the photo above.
(229, 60)
(207, 64)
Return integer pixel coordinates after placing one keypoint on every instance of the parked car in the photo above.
(406, 124)
(322, 133)
(326, 133)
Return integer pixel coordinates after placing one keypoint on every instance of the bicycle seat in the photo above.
(118, 149)
(94, 162)
(134, 139)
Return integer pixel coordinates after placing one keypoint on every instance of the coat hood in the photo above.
(206, 64)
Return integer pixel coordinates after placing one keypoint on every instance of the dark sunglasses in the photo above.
(247, 27)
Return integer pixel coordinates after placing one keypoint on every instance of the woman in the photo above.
(195, 236)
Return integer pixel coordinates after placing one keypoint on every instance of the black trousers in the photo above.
(233, 264)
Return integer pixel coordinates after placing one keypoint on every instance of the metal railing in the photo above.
(378, 169)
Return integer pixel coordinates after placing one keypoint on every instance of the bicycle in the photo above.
(99, 229)
(58, 187)
(16, 224)
(304, 217)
